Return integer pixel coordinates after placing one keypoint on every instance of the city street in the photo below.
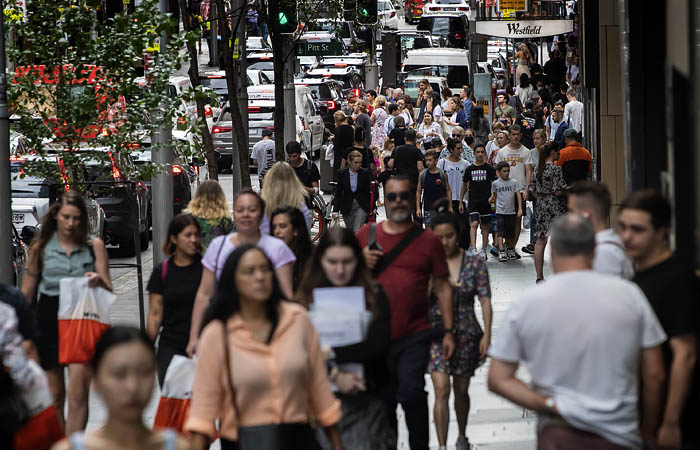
(493, 422)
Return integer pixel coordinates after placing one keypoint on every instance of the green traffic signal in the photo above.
(364, 12)
(282, 18)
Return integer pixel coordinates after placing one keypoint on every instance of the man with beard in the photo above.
(403, 257)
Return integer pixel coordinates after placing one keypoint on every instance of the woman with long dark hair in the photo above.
(469, 278)
(259, 362)
(172, 289)
(62, 250)
(338, 262)
(289, 224)
(549, 190)
(123, 366)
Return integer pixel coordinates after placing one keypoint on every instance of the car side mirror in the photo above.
(214, 119)
(28, 233)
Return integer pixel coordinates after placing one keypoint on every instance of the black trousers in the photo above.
(464, 225)
(164, 356)
(408, 359)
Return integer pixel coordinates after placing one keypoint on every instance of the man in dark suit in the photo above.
(353, 192)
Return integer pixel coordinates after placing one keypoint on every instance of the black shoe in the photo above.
(517, 255)
(529, 249)
(494, 251)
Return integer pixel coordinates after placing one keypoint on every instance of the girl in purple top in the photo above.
(248, 210)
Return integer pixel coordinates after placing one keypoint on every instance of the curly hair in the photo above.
(209, 202)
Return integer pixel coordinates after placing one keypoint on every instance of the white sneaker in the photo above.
(462, 443)
(511, 253)
(484, 254)
(502, 257)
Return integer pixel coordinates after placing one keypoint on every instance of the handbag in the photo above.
(283, 436)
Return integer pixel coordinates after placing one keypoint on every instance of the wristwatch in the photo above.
(448, 330)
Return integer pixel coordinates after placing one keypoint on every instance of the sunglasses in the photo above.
(456, 135)
(397, 196)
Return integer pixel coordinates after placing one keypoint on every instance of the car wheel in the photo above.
(128, 248)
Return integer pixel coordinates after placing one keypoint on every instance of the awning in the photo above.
(516, 29)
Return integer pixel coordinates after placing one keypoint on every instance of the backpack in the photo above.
(423, 174)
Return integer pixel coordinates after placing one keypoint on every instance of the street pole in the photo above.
(6, 271)
(371, 69)
(214, 35)
(162, 200)
(241, 68)
(290, 119)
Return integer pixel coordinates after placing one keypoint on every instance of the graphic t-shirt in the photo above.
(455, 172)
(264, 153)
(517, 158)
(505, 195)
(479, 179)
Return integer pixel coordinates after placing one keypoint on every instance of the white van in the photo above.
(451, 63)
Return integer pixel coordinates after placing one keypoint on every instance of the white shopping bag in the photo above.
(83, 315)
(176, 394)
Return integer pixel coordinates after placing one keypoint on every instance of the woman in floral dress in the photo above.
(469, 276)
(549, 190)
(211, 211)
(379, 116)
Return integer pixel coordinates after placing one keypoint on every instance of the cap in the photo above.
(570, 132)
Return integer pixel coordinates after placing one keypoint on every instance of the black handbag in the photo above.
(282, 436)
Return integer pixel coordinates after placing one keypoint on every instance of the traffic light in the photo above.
(349, 10)
(286, 17)
(367, 12)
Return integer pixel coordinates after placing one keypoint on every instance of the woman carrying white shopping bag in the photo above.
(62, 250)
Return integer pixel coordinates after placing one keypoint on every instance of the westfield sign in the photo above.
(524, 28)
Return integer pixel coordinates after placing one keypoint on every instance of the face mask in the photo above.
(469, 140)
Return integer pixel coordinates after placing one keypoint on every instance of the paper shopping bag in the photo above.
(83, 315)
(176, 394)
(43, 429)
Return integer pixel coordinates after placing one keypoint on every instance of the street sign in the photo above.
(318, 48)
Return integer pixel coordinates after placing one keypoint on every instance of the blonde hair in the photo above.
(209, 202)
(354, 154)
(375, 151)
(281, 187)
(380, 101)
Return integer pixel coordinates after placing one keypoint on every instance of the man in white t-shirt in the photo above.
(574, 111)
(592, 201)
(264, 154)
(517, 155)
(591, 343)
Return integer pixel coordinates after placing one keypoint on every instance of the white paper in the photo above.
(337, 329)
(343, 298)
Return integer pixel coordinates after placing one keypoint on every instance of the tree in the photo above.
(78, 90)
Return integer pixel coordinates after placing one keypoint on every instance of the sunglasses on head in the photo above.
(397, 196)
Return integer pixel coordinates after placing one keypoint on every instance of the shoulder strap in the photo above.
(218, 253)
(389, 258)
(164, 269)
(91, 249)
(442, 173)
(422, 177)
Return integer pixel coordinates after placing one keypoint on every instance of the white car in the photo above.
(460, 6)
(388, 15)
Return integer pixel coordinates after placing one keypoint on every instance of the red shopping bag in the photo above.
(43, 429)
(176, 394)
(83, 315)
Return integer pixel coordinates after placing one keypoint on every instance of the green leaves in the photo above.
(76, 85)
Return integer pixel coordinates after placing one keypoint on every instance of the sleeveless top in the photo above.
(77, 440)
(57, 264)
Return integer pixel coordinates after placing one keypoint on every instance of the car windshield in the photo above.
(385, 6)
(319, 91)
(441, 26)
(333, 27)
(262, 65)
(28, 187)
(214, 83)
(456, 75)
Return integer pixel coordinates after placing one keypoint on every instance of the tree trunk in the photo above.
(278, 54)
(194, 78)
(236, 118)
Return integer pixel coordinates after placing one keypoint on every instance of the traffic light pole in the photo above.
(241, 67)
(6, 271)
(372, 69)
(290, 120)
(162, 201)
(214, 36)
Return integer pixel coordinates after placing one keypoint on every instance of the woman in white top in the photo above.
(428, 129)
(449, 117)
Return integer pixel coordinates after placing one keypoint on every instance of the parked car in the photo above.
(256, 44)
(32, 195)
(262, 61)
(458, 6)
(450, 29)
(388, 16)
(347, 77)
(328, 95)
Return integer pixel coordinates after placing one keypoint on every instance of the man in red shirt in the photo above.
(406, 281)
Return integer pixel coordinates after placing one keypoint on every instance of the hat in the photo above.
(570, 132)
